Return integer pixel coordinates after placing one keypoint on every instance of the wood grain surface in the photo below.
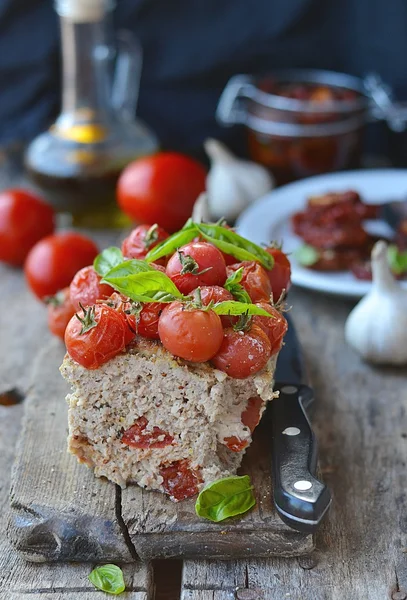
(361, 425)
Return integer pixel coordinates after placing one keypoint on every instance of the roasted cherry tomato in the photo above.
(60, 312)
(180, 480)
(275, 327)
(86, 288)
(138, 436)
(250, 418)
(215, 293)
(255, 280)
(122, 306)
(243, 353)
(161, 188)
(53, 261)
(95, 335)
(196, 264)
(141, 240)
(192, 334)
(280, 274)
(24, 220)
(143, 319)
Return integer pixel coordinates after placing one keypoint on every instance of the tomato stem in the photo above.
(151, 236)
(244, 322)
(189, 265)
(88, 320)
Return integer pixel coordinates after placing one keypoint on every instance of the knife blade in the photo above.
(301, 499)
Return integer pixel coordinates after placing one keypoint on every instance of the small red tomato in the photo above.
(121, 305)
(215, 293)
(141, 240)
(195, 335)
(180, 481)
(250, 418)
(86, 288)
(60, 312)
(196, 264)
(280, 274)
(255, 279)
(95, 336)
(24, 220)
(53, 261)
(243, 353)
(138, 436)
(144, 319)
(161, 188)
(275, 327)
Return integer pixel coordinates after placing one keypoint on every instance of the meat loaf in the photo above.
(149, 418)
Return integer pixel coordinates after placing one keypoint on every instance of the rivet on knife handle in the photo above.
(300, 498)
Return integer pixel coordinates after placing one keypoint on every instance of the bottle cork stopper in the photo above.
(82, 11)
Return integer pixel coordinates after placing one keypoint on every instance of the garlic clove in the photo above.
(232, 184)
(200, 212)
(377, 327)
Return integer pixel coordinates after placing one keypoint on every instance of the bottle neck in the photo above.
(87, 64)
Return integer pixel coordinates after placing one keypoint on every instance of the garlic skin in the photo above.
(377, 326)
(232, 184)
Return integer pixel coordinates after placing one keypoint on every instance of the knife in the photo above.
(301, 499)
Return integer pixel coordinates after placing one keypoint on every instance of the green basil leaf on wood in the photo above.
(145, 286)
(230, 307)
(106, 260)
(225, 498)
(109, 579)
(232, 243)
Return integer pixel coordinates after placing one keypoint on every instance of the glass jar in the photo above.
(299, 122)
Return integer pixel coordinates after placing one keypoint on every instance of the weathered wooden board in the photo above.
(361, 424)
(61, 512)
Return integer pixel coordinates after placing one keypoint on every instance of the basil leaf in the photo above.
(145, 286)
(307, 255)
(225, 498)
(170, 245)
(109, 579)
(397, 260)
(233, 286)
(230, 242)
(106, 260)
(129, 267)
(229, 307)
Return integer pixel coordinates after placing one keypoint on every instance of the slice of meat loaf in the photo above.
(149, 418)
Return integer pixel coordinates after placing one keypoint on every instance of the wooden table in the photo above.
(361, 424)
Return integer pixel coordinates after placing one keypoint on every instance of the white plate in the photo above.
(269, 219)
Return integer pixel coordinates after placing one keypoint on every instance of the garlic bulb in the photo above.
(200, 212)
(377, 326)
(232, 184)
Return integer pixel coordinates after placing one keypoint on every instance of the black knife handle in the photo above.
(300, 498)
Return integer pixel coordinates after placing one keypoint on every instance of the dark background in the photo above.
(191, 49)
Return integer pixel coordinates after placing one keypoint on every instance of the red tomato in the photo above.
(95, 336)
(161, 188)
(243, 353)
(24, 220)
(255, 279)
(196, 264)
(195, 335)
(121, 304)
(144, 321)
(275, 327)
(60, 312)
(86, 288)
(280, 274)
(52, 262)
(250, 418)
(180, 481)
(138, 437)
(215, 293)
(141, 240)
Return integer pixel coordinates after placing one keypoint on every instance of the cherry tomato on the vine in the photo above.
(60, 312)
(141, 240)
(192, 334)
(255, 279)
(95, 335)
(196, 264)
(243, 353)
(86, 288)
(280, 274)
(53, 261)
(24, 220)
(275, 327)
(161, 188)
